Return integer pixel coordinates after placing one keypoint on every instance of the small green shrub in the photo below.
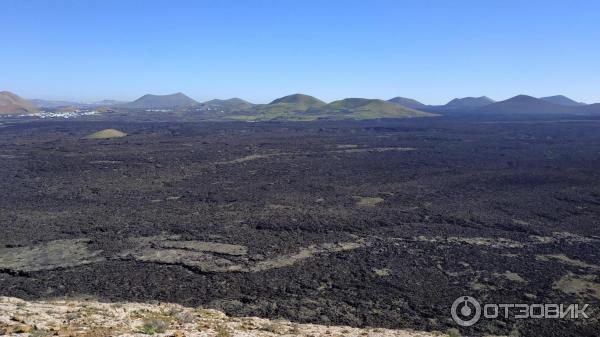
(154, 326)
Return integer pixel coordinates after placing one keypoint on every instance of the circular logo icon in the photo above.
(466, 311)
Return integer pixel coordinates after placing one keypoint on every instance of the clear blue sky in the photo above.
(259, 50)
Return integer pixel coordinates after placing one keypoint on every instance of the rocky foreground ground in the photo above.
(97, 319)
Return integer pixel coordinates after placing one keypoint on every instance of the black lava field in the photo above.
(361, 223)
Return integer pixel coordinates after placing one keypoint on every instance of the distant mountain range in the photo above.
(52, 104)
(106, 102)
(305, 107)
(11, 104)
(527, 105)
(521, 104)
(42, 103)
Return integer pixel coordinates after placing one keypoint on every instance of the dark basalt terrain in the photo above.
(360, 223)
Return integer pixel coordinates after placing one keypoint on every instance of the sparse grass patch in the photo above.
(579, 285)
(514, 333)
(154, 326)
(453, 332)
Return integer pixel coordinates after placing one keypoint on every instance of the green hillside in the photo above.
(232, 104)
(306, 108)
(300, 100)
(407, 102)
(363, 108)
(290, 107)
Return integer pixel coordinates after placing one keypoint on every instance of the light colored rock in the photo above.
(367, 201)
(92, 318)
(202, 246)
(49, 255)
(214, 257)
(222, 258)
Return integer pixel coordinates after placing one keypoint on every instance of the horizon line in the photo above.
(296, 93)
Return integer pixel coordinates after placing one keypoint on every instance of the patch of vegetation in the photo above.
(154, 326)
(562, 258)
(579, 285)
(452, 332)
(362, 108)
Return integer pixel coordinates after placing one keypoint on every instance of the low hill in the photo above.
(459, 105)
(364, 108)
(233, 104)
(469, 103)
(173, 101)
(407, 102)
(12, 104)
(287, 107)
(299, 99)
(523, 104)
(106, 134)
(562, 100)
